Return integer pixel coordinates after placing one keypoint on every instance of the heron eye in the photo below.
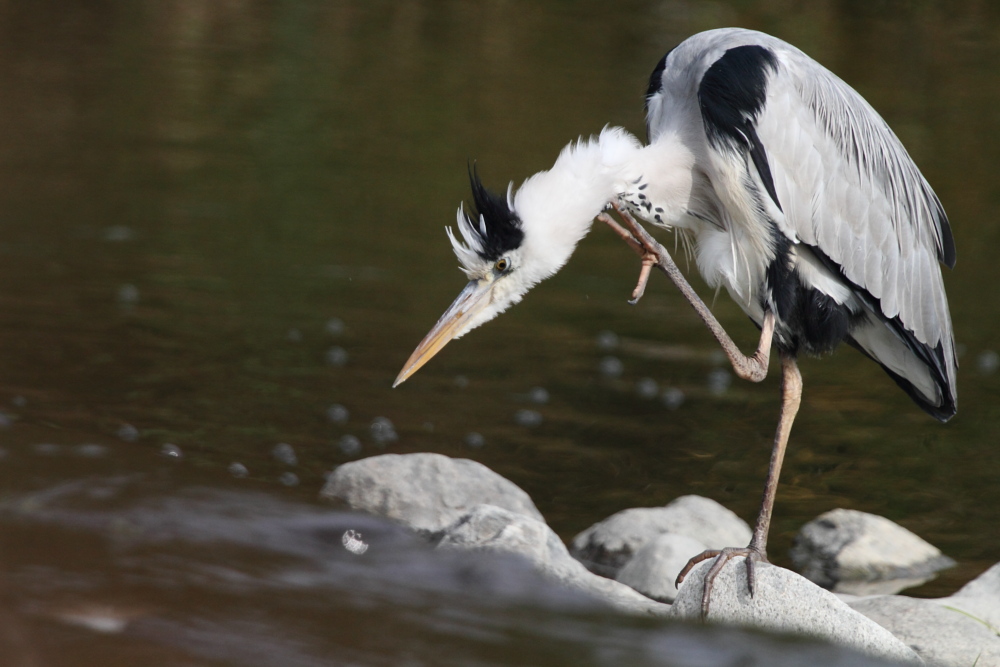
(502, 265)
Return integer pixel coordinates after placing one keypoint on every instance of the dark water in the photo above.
(221, 218)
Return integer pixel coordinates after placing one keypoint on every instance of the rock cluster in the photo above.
(631, 559)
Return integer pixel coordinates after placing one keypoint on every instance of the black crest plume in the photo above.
(501, 228)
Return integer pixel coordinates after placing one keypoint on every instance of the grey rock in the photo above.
(426, 492)
(940, 635)
(979, 598)
(491, 528)
(861, 553)
(655, 566)
(606, 546)
(788, 603)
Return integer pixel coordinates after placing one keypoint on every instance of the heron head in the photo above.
(492, 255)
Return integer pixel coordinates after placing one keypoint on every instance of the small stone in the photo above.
(607, 341)
(47, 449)
(383, 431)
(350, 445)
(171, 451)
(611, 367)
(128, 433)
(538, 395)
(335, 326)
(988, 362)
(647, 388)
(353, 542)
(284, 453)
(91, 450)
(529, 418)
(238, 470)
(128, 295)
(289, 479)
(474, 440)
(118, 234)
(337, 356)
(719, 381)
(673, 398)
(338, 414)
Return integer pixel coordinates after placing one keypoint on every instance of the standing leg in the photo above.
(791, 395)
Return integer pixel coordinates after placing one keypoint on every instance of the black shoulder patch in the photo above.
(731, 96)
(503, 227)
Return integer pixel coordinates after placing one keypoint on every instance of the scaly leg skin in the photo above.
(753, 368)
(791, 396)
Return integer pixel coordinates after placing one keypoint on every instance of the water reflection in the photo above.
(220, 219)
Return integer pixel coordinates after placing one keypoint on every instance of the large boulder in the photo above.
(606, 546)
(788, 603)
(980, 598)
(655, 566)
(491, 528)
(426, 492)
(939, 634)
(856, 552)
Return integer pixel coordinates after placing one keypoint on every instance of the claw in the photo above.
(751, 553)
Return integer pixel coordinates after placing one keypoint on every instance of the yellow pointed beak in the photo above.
(476, 296)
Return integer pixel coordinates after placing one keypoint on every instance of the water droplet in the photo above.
(474, 440)
(611, 367)
(338, 414)
(289, 479)
(352, 542)
(350, 445)
(461, 381)
(171, 451)
(719, 381)
(988, 362)
(647, 388)
(538, 395)
(238, 470)
(90, 450)
(128, 295)
(337, 356)
(128, 433)
(294, 335)
(383, 432)
(284, 453)
(528, 418)
(118, 234)
(335, 326)
(607, 341)
(672, 397)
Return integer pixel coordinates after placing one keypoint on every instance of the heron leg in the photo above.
(754, 367)
(791, 397)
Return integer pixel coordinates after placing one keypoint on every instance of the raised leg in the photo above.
(753, 368)
(791, 395)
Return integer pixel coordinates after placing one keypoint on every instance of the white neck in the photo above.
(558, 206)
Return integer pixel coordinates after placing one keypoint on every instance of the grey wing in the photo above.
(846, 186)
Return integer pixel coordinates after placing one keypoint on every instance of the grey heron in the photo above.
(796, 197)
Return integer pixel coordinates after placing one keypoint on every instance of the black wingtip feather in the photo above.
(503, 227)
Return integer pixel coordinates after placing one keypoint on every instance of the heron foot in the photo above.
(752, 555)
(647, 253)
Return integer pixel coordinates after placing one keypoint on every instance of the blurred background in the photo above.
(223, 230)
